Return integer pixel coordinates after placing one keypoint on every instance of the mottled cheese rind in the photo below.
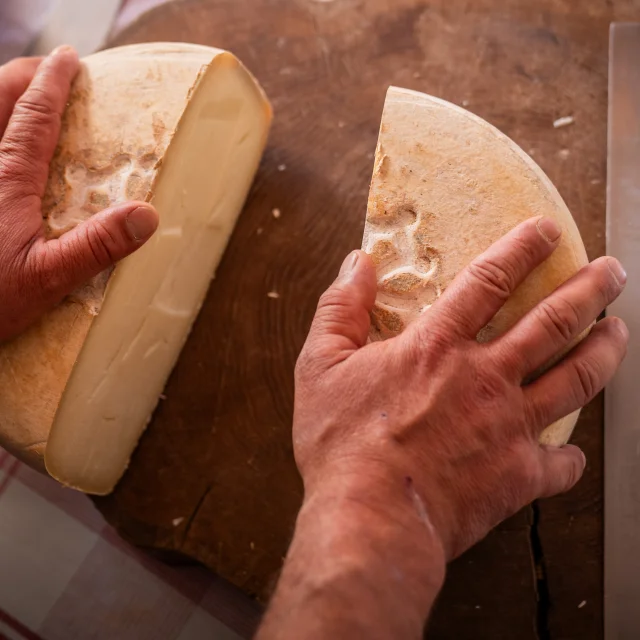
(154, 296)
(446, 185)
(117, 132)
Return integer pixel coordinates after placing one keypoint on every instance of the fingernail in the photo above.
(141, 223)
(617, 271)
(549, 229)
(584, 459)
(349, 263)
(621, 327)
(61, 50)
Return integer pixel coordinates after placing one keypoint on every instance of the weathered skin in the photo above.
(411, 449)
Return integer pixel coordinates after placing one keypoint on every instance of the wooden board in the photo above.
(213, 477)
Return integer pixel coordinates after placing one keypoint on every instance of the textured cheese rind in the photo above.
(114, 133)
(445, 186)
(154, 296)
(123, 110)
(34, 369)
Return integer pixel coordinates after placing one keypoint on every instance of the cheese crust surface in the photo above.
(446, 185)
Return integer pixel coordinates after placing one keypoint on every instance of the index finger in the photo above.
(32, 134)
(15, 77)
(480, 290)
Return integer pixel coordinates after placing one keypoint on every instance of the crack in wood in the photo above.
(193, 515)
(540, 579)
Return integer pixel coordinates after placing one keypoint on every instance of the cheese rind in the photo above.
(184, 127)
(446, 185)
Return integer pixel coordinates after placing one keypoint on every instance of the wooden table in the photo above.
(213, 477)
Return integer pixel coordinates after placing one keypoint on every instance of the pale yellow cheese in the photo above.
(183, 126)
(445, 186)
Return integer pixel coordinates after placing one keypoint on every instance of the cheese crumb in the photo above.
(582, 604)
(563, 153)
(274, 295)
(563, 122)
(177, 521)
(465, 103)
(282, 167)
(275, 213)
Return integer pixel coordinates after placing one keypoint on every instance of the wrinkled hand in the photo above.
(35, 273)
(433, 419)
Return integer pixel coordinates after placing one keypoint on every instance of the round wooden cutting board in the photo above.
(214, 476)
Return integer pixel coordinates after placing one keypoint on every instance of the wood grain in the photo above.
(218, 452)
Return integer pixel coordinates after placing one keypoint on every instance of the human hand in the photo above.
(434, 422)
(35, 272)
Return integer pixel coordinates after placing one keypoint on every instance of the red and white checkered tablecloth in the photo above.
(66, 575)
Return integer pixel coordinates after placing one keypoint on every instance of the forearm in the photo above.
(357, 568)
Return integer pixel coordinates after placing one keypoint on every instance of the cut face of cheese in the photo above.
(446, 185)
(184, 127)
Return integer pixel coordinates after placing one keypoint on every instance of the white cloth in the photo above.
(37, 26)
(20, 24)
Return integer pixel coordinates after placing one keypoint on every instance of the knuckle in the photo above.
(496, 276)
(586, 380)
(48, 271)
(37, 105)
(509, 358)
(101, 243)
(608, 286)
(16, 173)
(334, 303)
(486, 389)
(527, 247)
(489, 386)
(333, 297)
(32, 120)
(428, 339)
(560, 318)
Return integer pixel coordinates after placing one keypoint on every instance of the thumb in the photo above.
(342, 318)
(95, 245)
(562, 467)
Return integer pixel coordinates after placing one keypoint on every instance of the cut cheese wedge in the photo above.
(184, 127)
(446, 185)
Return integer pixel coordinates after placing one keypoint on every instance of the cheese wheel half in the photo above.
(179, 125)
(446, 185)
